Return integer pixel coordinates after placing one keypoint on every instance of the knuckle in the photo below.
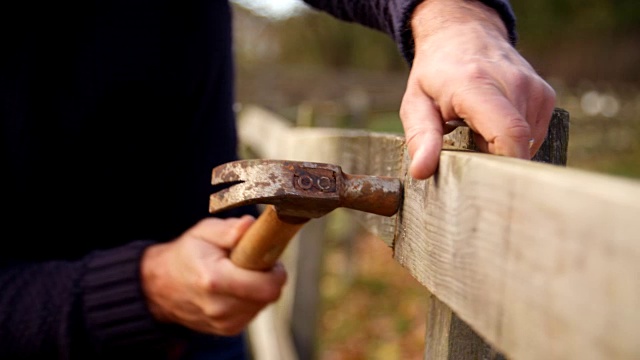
(274, 293)
(474, 71)
(544, 94)
(269, 294)
(213, 312)
(411, 135)
(515, 130)
(518, 129)
(210, 282)
(521, 81)
(550, 91)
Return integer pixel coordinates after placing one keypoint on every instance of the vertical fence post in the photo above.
(448, 337)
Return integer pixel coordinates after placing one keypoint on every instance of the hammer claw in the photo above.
(237, 171)
(240, 194)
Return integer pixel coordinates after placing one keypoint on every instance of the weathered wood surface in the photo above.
(447, 336)
(542, 261)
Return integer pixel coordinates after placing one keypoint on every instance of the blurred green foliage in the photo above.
(573, 40)
(578, 40)
(337, 44)
(577, 17)
(317, 39)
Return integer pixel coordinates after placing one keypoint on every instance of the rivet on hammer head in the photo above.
(305, 182)
(324, 183)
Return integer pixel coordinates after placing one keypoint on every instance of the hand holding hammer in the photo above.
(295, 192)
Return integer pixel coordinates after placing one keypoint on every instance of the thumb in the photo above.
(423, 130)
(224, 233)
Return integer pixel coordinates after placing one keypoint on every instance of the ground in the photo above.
(372, 307)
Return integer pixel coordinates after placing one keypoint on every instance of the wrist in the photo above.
(432, 17)
(151, 266)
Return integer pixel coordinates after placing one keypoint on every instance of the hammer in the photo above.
(294, 193)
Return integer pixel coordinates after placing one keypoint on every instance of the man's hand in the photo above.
(191, 281)
(465, 68)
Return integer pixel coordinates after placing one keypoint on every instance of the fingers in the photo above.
(423, 129)
(225, 316)
(467, 71)
(256, 286)
(511, 124)
(224, 233)
(503, 129)
(539, 116)
(228, 316)
(245, 294)
(504, 120)
(218, 275)
(236, 295)
(191, 280)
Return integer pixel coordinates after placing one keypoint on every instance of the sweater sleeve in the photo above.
(71, 310)
(393, 17)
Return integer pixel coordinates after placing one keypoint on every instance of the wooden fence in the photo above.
(523, 260)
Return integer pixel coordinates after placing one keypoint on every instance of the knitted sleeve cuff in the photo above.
(115, 308)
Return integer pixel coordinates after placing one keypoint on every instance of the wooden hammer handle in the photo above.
(263, 243)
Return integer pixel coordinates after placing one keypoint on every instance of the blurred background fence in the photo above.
(324, 72)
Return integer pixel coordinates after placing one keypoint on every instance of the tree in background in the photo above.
(573, 40)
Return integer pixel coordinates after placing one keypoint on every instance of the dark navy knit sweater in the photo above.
(113, 114)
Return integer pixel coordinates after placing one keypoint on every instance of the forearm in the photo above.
(395, 17)
(476, 29)
(38, 309)
(64, 309)
(434, 16)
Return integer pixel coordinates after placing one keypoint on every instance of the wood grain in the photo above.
(542, 261)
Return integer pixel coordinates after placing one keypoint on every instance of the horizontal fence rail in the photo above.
(541, 261)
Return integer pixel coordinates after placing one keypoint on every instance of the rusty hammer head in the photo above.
(302, 189)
